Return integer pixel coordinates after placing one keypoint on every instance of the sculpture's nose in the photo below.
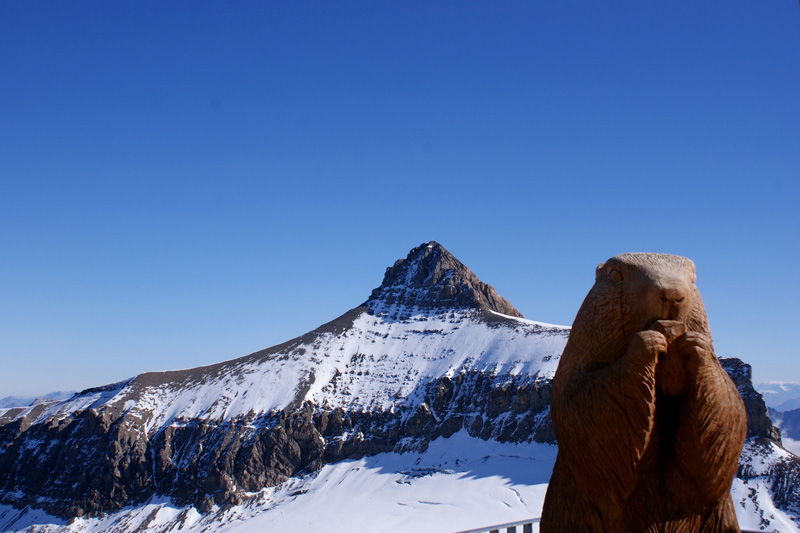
(673, 301)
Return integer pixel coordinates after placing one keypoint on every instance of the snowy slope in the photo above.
(752, 490)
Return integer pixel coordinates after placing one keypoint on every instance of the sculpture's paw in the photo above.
(649, 343)
(695, 348)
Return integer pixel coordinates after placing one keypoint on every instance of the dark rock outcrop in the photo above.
(758, 421)
(431, 277)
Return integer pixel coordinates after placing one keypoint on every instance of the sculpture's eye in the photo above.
(615, 275)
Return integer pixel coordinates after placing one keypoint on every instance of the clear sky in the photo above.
(185, 182)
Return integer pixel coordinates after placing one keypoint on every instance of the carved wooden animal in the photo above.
(649, 425)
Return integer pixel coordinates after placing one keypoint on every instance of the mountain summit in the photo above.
(430, 277)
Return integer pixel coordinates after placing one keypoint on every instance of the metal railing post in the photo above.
(509, 527)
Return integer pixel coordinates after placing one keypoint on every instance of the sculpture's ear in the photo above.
(597, 270)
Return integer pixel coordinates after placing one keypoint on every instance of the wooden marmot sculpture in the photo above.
(649, 425)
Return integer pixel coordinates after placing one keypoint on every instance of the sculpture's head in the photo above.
(632, 291)
(651, 287)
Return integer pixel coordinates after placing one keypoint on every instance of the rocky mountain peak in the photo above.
(759, 423)
(430, 277)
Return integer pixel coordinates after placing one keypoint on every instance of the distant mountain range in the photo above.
(781, 396)
(25, 401)
(425, 408)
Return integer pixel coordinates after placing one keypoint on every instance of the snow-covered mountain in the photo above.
(766, 490)
(431, 352)
(426, 408)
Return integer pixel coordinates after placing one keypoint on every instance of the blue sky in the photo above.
(185, 182)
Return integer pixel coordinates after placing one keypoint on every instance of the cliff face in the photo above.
(759, 423)
(93, 462)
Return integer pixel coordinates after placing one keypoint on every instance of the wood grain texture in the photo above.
(649, 425)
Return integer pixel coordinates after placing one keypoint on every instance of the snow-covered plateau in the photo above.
(458, 483)
(426, 408)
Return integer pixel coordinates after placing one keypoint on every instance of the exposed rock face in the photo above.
(430, 277)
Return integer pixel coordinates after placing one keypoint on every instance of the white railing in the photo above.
(526, 526)
(523, 526)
